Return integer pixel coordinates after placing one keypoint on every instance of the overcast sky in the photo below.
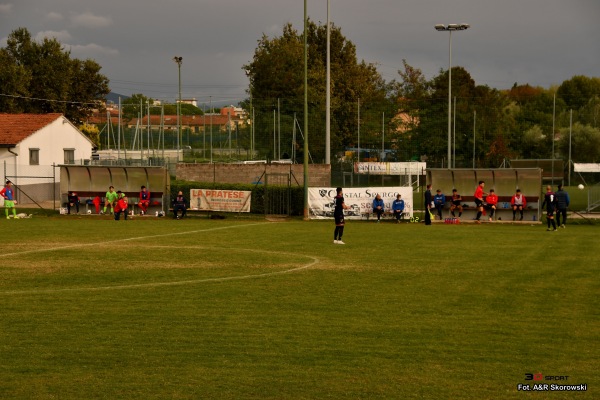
(540, 42)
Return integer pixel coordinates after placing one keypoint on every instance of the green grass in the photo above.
(229, 309)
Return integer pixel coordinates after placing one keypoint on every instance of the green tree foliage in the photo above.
(421, 126)
(276, 76)
(577, 91)
(44, 78)
(585, 143)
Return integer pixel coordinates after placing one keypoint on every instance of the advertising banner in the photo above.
(360, 200)
(390, 168)
(220, 200)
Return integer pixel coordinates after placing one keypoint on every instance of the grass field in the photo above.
(154, 308)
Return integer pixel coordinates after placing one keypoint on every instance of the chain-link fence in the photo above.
(36, 185)
(484, 132)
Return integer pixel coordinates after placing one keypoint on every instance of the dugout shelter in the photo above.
(504, 181)
(90, 182)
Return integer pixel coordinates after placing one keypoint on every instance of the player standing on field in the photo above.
(562, 203)
(9, 199)
(550, 203)
(338, 215)
(479, 193)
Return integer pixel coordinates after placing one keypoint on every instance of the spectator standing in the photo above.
(518, 203)
(438, 201)
(338, 215)
(492, 203)
(144, 201)
(73, 201)
(398, 208)
(8, 193)
(562, 203)
(179, 204)
(479, 193)
(428, 204)
(456, 200)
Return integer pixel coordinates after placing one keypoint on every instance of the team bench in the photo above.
(87, 198)
(469, 201)
(468, 204)
(386, 214)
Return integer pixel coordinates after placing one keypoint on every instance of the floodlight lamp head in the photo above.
(464, 26)
(440, 27)
(178, 60)
(453, 27)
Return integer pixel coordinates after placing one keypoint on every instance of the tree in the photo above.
(276, 76)
(44, 78)
(585, 143)
(578, 91)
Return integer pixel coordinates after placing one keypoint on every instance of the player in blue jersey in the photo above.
(8, 193)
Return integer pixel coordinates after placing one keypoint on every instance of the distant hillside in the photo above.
(114, 97)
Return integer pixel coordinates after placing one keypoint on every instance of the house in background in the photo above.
(30, 146)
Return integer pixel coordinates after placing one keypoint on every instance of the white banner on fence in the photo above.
(390, 168)
(360, 200)
(586, 167)
(220, 200)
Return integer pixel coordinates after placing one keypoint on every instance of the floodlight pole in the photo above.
(306, 216)
(450, 28)
(178, 60)
(328, 96)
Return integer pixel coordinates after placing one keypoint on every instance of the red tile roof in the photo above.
(16, 127)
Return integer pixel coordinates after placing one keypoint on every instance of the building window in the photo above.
(34, 156)
(69, 156)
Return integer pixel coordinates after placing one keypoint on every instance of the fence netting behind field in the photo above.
(34, 184)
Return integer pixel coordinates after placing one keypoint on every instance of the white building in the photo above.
(31, 144)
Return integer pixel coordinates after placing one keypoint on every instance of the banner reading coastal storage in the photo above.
(321, 201)
(220, 200)
(390, 168)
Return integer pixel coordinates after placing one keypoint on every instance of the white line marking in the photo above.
(160, 284)
(74, 246)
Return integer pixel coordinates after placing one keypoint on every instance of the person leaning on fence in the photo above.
(438, 201)
(179, 204)
(398, 208)
(9, 199)
(492, 203)
(562, 203)
(378, 207)
(73, 201)
(456, 200)
(518, 203)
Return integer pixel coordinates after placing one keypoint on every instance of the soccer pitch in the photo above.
(154, 308)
